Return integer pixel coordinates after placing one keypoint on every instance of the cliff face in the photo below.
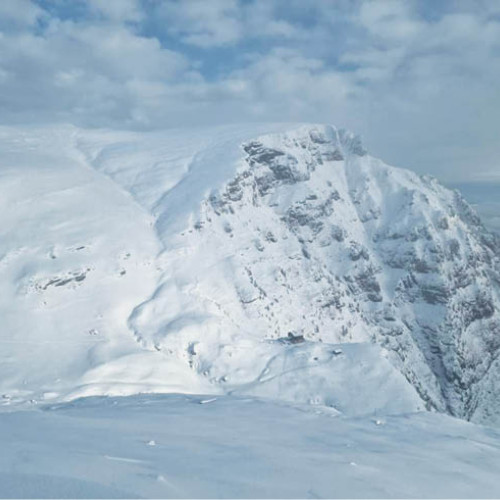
(315, 237)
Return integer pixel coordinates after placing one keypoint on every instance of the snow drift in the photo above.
(179, 446)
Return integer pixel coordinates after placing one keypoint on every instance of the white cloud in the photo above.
(203, 23)
(390, 20)
(215, 23)
(18, 13)
(117, 10)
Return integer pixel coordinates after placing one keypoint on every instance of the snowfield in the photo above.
(178, 446)
(319, 300)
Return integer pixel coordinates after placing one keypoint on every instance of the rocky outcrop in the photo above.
(341, 248)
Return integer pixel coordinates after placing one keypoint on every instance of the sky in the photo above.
(418, 80)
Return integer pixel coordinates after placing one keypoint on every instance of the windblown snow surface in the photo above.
(329, 309)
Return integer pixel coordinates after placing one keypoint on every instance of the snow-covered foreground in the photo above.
(195, 446)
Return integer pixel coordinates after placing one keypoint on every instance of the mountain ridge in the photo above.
(264, 230)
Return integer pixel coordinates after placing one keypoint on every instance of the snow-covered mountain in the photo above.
(195, 261)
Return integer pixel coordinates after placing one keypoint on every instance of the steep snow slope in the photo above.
(231, 238)
(77, 254)
(171, 446)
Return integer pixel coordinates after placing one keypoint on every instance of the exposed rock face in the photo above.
(338, 247)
